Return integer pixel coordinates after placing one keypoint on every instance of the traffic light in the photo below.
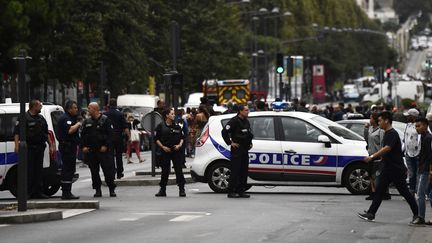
(290, 67)
(388, 72)
(177, 80)
(279, 63)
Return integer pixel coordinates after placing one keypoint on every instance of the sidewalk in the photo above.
(38, 211)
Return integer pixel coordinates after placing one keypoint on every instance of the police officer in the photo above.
(96, 138)
(68, 137)
(37, 137)
(119, 128)
(169, 138)
(237, 133)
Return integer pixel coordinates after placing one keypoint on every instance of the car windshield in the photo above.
(137, 111)
(337, 129)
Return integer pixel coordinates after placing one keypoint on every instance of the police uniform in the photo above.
(68, 144)
(238, 130)
(119, 125)
(36, 137)
(95, 134)
(169, 136)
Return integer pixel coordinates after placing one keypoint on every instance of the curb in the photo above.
(154, 181)
(73, 204)
(39, 211)
(30, 217)
(158, 172)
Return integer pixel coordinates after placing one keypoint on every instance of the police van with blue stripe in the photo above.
(289, 148)
(9, 113)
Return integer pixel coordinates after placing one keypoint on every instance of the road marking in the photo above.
(173, 213)
(73, 212)
(185, 218)
(4, 225)
(128, 219)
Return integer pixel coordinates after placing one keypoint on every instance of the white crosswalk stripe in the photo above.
(185, 218)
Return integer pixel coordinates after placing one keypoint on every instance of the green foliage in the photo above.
(68, 39)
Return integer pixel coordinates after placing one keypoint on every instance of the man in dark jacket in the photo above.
(237, 133)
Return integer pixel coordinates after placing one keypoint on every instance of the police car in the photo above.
(289, 148)
(9, 113)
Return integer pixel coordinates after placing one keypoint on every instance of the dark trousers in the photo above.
(239, 170)
(35, 155)
(399, 180)
(117, 153)
(68, 153)
(104, 160)
(166, 159)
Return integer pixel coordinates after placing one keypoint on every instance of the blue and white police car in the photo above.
(9, 113)
(289, 148)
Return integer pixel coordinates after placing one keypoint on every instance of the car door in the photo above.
(3, 148)
(304, 158)
(9, 123)
(265, 158)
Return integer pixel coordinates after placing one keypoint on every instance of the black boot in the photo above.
(112, 192)
(182, 192)
(161, 193)
(67, 195)
(98, 193)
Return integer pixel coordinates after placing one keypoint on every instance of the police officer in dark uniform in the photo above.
(37, 137)
(237, 133)
(96, 138)
(169, 138)
(119, 128)
(68, 137)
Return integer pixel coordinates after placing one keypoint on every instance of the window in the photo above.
(262, 128)
(55, 116)
(7, 126)
(227, 94)
(297, 130)
(337, 129)
(358, 128)
(241, 94)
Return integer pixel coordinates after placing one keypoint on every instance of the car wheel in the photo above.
(51, 183)
(357, 179)
(12, 181)
(218, 176)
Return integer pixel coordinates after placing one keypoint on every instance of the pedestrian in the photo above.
(134, 139)
(200, 121)
(96, 138)
(37, 137)
(68, 136)
(120, 130)
(411, 142)
(425, 160)
(374, 135)
(393, 171)
(169, 138)
(238, 134)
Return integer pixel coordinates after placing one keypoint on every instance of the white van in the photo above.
(9, 113)
(194, 100)
(138, 104)
(404, 89)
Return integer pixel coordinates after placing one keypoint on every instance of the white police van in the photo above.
(289, 148)
(9, 113)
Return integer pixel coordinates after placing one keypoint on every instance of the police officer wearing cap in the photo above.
(68, 137)
(96, 138)
(119, 128)
(169, 138)
(37, 137)
(237, 133)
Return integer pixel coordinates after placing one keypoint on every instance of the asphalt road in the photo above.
(415, 61)
(280, 214)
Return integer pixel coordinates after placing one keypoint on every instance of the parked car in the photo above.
(289, 148)
(9, 113)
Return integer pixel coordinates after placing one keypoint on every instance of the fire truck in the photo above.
(229, 90)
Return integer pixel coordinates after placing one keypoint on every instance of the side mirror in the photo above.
(324, 139)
